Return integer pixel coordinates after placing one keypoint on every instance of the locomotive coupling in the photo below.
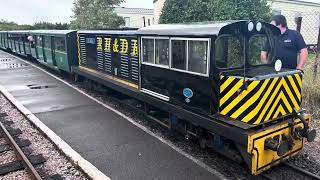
(304, 132)
(275, 145)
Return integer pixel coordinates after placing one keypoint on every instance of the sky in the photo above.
(31, 11)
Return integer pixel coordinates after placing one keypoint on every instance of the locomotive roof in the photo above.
(193, 29)
(118, 32)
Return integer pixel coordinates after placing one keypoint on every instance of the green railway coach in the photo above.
(56, 49)
(20, 43)
(3, 39)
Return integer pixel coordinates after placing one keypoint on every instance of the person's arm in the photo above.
(264, 57)
(302, 48)
(303, 58)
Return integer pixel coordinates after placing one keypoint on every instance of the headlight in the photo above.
(259, 26)
(250, 26)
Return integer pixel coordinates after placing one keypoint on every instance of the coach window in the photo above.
(198, 56)
(39, 41)
(148, 50)
(162, 52)
(179, 54)
(47, 42)
(60, 44)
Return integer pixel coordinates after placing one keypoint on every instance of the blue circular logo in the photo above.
(187, 92)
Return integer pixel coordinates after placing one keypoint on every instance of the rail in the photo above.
(27, 164)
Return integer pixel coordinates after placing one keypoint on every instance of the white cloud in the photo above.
(31, 11)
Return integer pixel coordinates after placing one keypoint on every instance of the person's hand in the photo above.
(301, 70)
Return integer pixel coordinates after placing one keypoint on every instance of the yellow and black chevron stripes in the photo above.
(79, 51)
(263, 100)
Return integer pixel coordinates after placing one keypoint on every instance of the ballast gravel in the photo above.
(18, 175)
(6, 157)
(55, 163)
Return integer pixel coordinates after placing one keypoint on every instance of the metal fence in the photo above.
(308, 24)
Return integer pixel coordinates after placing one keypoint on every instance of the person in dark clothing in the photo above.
(290, 43)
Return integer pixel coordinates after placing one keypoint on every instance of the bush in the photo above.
(311, 89)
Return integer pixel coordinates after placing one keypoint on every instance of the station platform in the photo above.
(115, 146)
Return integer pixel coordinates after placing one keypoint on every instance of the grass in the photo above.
(311, 88)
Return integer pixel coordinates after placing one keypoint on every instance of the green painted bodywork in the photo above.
(62, 60)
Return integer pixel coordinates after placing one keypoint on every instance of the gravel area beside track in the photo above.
(55, 163)
(309, 159)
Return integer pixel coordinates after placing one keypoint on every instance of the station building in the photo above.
(136, 17)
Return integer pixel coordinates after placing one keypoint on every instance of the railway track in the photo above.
(23, 160)
(298, 171)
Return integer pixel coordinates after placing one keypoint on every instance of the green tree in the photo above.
(182, 11)
(48, 25)
(96, 14)
(8, 26)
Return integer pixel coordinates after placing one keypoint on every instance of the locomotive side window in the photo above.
(198, 54)
(190, 55)
(155, 51)
(179, 54)
(229, 52)
(162, 51)
(148, 50)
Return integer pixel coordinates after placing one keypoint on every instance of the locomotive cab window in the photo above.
(258, 43)
(229, 52)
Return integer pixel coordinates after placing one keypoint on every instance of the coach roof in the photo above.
(52, 32)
